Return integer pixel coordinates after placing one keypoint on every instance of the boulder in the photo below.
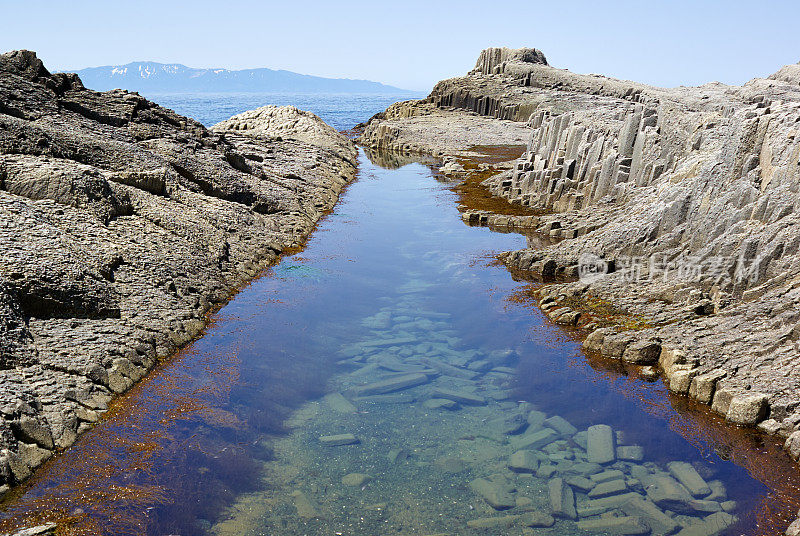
(496, 490)
(534, 440)
(668, 493)
(644, 352)
(523, 461)
(660, 523)
(690, 478)
(748, 408)
(600, 444)
(537, 520)
(465, 398)
(391, 385)
(606, 489)
(562, 499)
(792, 445)
(560, 425)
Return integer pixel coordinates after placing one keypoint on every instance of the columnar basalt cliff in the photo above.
(679, 207)
(121, 225)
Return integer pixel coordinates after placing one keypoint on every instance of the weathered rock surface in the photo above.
(678, 207)
(121, 225)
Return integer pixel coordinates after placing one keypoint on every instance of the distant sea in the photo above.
(342, 111)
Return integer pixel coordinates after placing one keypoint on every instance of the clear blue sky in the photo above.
(411, 43)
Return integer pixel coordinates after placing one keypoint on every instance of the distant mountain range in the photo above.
(152, 77)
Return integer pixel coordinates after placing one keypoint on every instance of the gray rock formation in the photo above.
(495, 60)
(121, 225)
(679, 207)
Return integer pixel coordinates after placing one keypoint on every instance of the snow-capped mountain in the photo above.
(150, 77)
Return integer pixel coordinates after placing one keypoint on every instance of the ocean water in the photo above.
(392, 378)
(342, 111)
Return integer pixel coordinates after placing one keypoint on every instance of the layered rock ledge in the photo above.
(121, 225)
(676, 210)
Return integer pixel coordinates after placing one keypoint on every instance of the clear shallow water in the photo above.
(342, 111)
(226, 438)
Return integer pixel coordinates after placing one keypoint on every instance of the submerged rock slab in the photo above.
(338, 440)
(496, 490)
(601, 444)
(462, 397)
(391, 385)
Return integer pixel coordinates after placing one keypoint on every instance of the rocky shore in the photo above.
(675, 212)
(121, 225)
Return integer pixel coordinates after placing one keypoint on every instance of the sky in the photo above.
(412, 44)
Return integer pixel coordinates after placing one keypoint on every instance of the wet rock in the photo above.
(440, 403)
(509, 424)
(338, 440)
(794, 528)
(536, 419)
(594, 341)
(537, 520)
(703, 507)
(339, 403)
(450, 464)
(792, 445)
(397, 455)
(391, 385)
(582, 439)
(600, 444)
(462, 397)
(713, 525)
(660, 523)
(607, 475)
(449, 370)
(609, 503)
(562, 499)
(632, 453)
(586, 468)
(560, 425)
(306, 508)
(703, 386)
(534, 440)
(606, 489)
(356, 479)
(690, 478)
(748, 409)
(722, 400)
(614, 345)
(614, 525)
(769, 426)
(580, 483)
(496, 490)
(523, 461)
(546, 471)
(667, 493)
(718, 491)
(643, 352)
(48, 529)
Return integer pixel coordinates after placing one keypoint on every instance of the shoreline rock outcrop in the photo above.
(123, 224)
(676, 212)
